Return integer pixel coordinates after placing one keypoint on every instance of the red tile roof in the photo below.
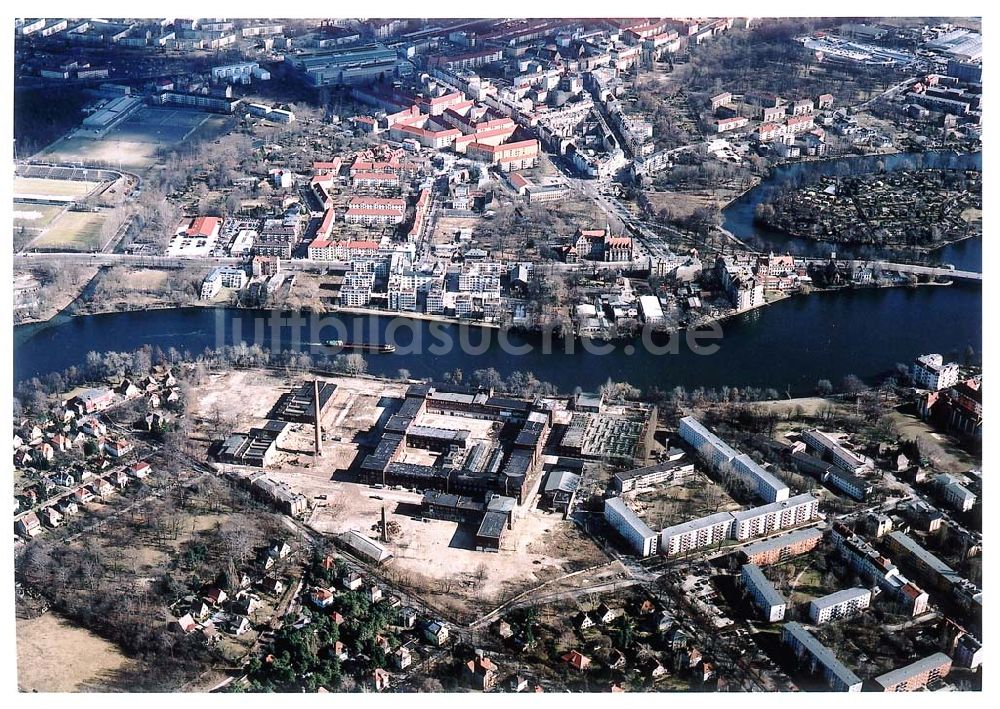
(203, 226)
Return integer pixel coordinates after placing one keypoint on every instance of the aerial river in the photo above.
(788, 345)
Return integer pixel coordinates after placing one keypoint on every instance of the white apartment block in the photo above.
(770, 603)
(840, 456)
(724, 459)
(769, 518)
(633, 530)
(930, 372)
(709, 446)
(841, 604)
(804, 645)
(765, 485)
(696, 534)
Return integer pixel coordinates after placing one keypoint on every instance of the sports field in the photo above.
(133, 144)
(35, 216)
(73, 231)
(51, 189)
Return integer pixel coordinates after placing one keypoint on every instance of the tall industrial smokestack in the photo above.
(319, 429)
(385, 529)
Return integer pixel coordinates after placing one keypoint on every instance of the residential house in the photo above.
(64, 478)
(51, 516)
(93, 427)
(68, 506)
(380, 678)
(117, 447)
(215, 596)
(102, 488)
(653, 669)
(408, 617)
(606, 614)
(583, 621)
(402, 658)
(576, 660)
(239, 625)
(83, 494)
(186, 623)
(481, 673)
(352, 580)
(140, 470)
(321, 597)
(517, 683)
(28, 525)
(436, 632)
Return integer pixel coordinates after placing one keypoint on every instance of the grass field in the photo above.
(57, 189)
(35, 216)
(73, 231)
(56, 656)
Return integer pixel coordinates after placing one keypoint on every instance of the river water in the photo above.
(788, 345)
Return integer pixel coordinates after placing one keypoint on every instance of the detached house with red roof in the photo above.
(28, 525)
(481, 673)
(576, 660)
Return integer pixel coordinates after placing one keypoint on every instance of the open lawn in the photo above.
(73, 231)
(53, 655)
(51, 189)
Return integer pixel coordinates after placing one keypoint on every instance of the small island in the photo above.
(922, 208)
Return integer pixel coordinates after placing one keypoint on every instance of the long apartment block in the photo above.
(725, 460)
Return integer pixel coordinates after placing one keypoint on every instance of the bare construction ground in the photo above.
(446, 228)
(437, 559)
(53, 655)
(434, 559)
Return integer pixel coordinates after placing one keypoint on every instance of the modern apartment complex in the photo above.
(672, 472)
(765, 519)
(696, 534)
